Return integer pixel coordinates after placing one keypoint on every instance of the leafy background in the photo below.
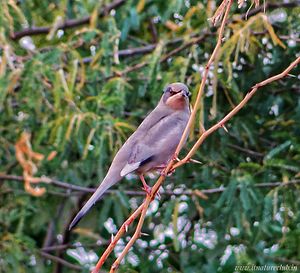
(78, 93)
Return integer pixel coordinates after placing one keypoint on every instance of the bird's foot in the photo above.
(169, 173)
(146, 189)
(158, 195)
(162, 171)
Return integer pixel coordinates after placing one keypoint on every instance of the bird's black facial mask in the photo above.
(172, 91)
(176, 96)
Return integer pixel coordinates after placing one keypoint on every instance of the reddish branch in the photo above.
(116, 238)
(235, 110)
(161, 179)
(203, 81)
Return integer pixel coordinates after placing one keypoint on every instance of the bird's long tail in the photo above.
(107, 182)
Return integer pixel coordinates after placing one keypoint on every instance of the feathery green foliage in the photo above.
(79, 95)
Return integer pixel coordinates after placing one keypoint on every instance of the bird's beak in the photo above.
(186, 94)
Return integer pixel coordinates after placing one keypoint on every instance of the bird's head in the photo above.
(176, 96)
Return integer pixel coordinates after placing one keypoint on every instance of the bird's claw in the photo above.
(165, 174)
(158, 195)
(147, 189)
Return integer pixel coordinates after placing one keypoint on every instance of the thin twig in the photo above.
(47, 180)
(130, 52)
(194, 40)
(60, 260)
(69, 245)
(135, 236)
(188, 192)
(203, 81)
(52, 224)
(270, 6)
(245, 150)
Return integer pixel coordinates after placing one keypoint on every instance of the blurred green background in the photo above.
(70, 95)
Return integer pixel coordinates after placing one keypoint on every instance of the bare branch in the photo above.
(247, 151)
(161, 179)
(268, 5)
(129, 52)
(203, 81)
(116, 238)
(71, 23)
(64, 246)
(83, 190)
(60, 260)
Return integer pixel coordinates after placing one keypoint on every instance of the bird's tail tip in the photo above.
(76, 219)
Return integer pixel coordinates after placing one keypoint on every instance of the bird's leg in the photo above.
(146, 188)
(161, 168)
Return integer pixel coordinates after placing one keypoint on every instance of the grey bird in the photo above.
(151, 146)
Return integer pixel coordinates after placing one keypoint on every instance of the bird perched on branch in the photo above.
(151, 146)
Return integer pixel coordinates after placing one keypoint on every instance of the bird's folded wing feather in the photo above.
(150, 143)
(140, 153)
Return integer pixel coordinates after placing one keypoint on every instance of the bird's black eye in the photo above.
(172, 92)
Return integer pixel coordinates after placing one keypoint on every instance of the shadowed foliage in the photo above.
(71, 95)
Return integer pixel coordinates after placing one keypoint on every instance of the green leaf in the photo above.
(277, 150)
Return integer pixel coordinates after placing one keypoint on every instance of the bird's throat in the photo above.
(176, 102)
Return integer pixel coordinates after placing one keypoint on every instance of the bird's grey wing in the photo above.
(158, 140)
(158, 114)
(164, 137)
(139, 155)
